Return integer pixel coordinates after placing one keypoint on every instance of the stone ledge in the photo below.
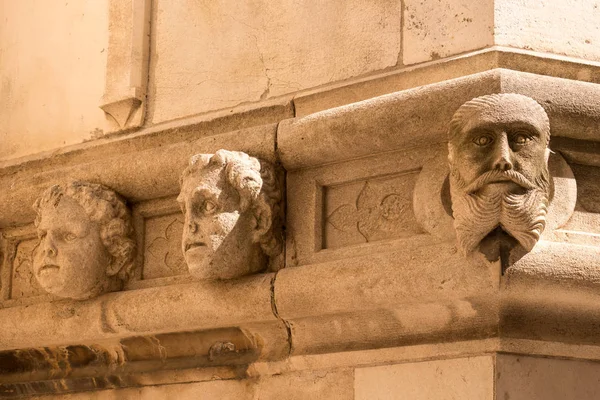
(325, 305)
(419, 117)
(444, 69)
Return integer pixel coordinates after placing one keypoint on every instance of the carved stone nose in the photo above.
(49, 249)
(503, 164)
(192, 227)
(502, 156)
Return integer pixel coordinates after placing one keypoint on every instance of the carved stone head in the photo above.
(86, 246)
(499, 179)
(231, 206)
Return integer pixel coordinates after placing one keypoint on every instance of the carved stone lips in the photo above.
(194, 245)
(48, 267)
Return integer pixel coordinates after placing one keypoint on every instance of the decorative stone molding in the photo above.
(86, 244)
(362, 181)
(232, 221)
(124, 99)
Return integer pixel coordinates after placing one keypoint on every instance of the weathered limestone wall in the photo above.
(52, 74)
(371, 297)
(206, 56)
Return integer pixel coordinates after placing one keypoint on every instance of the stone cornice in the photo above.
(419, 117)
(398, 291)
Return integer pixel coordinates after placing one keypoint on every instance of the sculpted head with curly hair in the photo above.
(86, 241)
(231, 206)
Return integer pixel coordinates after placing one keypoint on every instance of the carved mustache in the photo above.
(498, 176)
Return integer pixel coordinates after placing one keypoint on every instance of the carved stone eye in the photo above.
(482, 140)
(69, 237)
(209, 206)
(521, 138)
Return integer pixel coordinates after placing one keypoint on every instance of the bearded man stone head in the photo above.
(86, 244)
(499, 179)
(231, 206)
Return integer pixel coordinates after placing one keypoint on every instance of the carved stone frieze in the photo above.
(231, 206)
(382, 209)
(85, 241)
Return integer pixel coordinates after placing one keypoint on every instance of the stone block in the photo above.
(162, 247)
(568, 27)
(454, 379)
(23, 283)
(520, 377)
(370, 210)
(236, 52)
(52, 74)
(435, 30)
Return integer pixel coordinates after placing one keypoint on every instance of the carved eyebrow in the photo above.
(204, 192)
(525, 126)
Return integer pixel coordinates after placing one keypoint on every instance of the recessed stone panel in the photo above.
(24, 283)
(162, 249)
(371, 210)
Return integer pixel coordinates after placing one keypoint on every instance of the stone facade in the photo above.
(283, 200)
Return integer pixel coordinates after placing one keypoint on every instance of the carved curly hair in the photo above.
(258, 187)
(108, 209)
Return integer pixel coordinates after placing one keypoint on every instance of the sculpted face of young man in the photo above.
(228, 209)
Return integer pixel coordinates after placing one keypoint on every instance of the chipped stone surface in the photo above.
(438, 29)
(239, 52)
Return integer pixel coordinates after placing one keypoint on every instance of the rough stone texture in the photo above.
(52, 74)
(569, 27)
(237, 52)
(455, 379)
(435, 30)
(519, 377)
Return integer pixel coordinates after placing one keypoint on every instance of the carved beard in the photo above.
(523, 216)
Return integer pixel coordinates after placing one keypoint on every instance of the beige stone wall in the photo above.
(352, 100)
(52, 73)
(216, 55)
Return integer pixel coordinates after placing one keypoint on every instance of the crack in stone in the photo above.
(264, 94)
(288, 327)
